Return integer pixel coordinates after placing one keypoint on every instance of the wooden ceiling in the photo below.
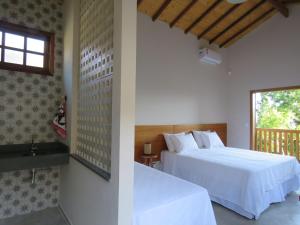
(216, 21)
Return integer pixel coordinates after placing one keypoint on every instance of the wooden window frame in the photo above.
(47, 37)
(252, 109)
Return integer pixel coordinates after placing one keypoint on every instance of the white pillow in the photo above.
(198, 137)
(169, 142)
(211, 140)
(184, 142)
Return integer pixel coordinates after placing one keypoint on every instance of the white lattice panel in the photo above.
(95, 83)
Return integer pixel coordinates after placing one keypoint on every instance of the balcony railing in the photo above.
(278, 141)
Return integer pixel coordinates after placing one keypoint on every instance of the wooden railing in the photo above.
(278, 141)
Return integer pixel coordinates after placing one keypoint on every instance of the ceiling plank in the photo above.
(280, 7)
(161, 9)
(237, 21)
(232, 9)
(139, 2)
(247, 27)
(183, 12)
(201, 17)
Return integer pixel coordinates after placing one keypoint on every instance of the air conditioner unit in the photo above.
(209, 56)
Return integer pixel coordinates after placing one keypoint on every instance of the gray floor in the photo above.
(50, 216)
(285, 213)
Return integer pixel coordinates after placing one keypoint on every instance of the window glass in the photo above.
(25, 49)
(34, 60)
(35, 45)
(12, 56)
(14, 41)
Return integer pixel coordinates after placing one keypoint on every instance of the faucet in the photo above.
(33, 147)
(33, 152)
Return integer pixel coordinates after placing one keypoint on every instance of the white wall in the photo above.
(123, 107)
(71, 66)
(267, 58)
(173, 87)
(86, 198)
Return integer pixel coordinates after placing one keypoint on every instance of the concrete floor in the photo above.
(50, 216)
(285, 213)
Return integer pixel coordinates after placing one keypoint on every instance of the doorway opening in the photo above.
(275, 121)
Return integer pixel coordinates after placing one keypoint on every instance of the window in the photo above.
(26, 50)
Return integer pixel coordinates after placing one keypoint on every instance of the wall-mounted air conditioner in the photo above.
(210, 56)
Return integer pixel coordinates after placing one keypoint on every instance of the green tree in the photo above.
(279, 109)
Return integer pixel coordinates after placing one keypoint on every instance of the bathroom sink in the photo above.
(21, 156)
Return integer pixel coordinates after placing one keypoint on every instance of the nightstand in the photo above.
(149, 159)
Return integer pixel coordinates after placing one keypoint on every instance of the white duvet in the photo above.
(241, 177)
(161, 199)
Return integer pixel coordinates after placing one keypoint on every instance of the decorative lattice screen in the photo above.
(95, 85)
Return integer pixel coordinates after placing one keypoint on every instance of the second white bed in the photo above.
(242, 180)
(162, 199)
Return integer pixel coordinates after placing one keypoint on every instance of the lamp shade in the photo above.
(147, 149)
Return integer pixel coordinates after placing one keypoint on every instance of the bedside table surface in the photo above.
(153, 156)
(149, 159)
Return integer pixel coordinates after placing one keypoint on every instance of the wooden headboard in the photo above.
(154, 134)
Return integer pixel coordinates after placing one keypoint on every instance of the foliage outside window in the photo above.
(26, 50)
(278, 109)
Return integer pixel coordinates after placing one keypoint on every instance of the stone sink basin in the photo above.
(20, 156)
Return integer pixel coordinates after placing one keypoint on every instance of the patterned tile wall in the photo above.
(28, 101)
(27, 106)
(18, 196)
(95, 83)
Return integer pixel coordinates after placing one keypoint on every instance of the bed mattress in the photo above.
(161, 199)
(242, 180)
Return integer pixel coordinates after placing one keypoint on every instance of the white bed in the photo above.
(161, 199)
(242, 180)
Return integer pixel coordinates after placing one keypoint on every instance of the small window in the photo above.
(26, 50)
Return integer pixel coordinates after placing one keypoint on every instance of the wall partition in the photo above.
(101, 131)
(94, 113)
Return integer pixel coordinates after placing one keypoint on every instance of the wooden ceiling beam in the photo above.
(280, 7)
(183, 12)
(139, 2)
(161, 9)
(237, 21)
(203, 15)
(221, 18)
(247, 27)
(291, 2)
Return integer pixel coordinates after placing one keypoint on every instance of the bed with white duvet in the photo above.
(162, 199)
(242, 180)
